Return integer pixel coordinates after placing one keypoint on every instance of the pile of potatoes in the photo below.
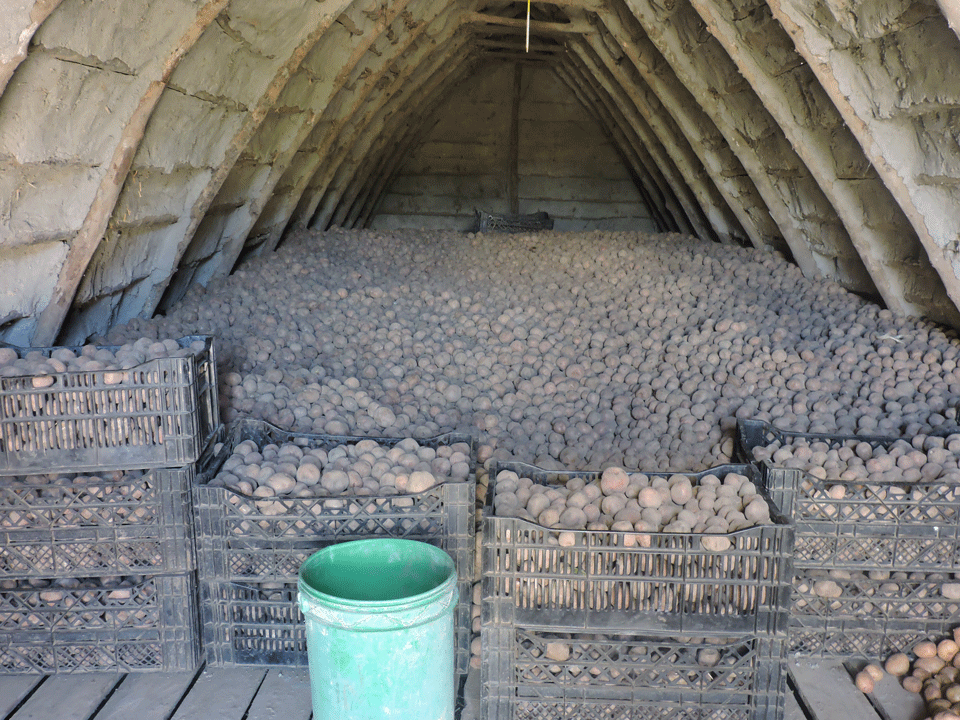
(636, 503)
(916, 481)
(364, 469)
(922, 459)
(934, 673)
(575, 350)
(42, 367)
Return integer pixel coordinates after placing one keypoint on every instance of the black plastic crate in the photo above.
(260, 623)
(536, 673)
(868, 619)
(158, 414)
(599, 583)
(511, 223)
(239, 548)
(138, 525)
(152, 625)
(759, 433)
(237, 542)
(875, 525)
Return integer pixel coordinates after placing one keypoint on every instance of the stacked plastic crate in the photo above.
(601, 624)
(97, 557)
(250, 546)
(872, 557)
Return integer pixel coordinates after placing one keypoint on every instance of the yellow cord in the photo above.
(528, 25)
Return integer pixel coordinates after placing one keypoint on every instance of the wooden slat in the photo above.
(284, 695)
(147, 696)
(220, 694)
(792, 709)
(895, 703)
(68, 697)
(13, 689)
(828, 692)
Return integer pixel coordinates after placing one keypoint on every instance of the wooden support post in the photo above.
(513, 172)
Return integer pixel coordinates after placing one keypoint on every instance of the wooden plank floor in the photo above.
(821, 690)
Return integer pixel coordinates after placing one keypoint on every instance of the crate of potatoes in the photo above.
(864, 503)
(146, 404)
(537, 673)
(869, 615)
(270, 498)
(665, 552)
(124, 522)
(105, 624)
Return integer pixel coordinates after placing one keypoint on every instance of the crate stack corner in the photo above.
(98, 569)
(871, 561)
(604, 623)
(249, 561)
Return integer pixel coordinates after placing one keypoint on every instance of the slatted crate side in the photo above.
(608, 580)
(157, 414)
(883, 526)
(867, 618)
(854, 639)
(150, 626)
(542, 673)
(84, 527)
(260, 623)
(235, 542)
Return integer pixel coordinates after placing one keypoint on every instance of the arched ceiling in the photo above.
(147, 146)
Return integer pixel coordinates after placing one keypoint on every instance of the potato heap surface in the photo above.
(575, 350)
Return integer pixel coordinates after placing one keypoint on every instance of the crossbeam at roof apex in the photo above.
(577, 27)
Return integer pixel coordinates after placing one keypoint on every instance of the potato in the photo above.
(864, 682)
(925, 649)
(912, 684)
(574, 518)
(421, 481)
(715, 543)
(334, 481)
(650, 498)
(897, 665)
(613, 480)
(557, 651)
(947, 649)
(281, 483)
(681, 490)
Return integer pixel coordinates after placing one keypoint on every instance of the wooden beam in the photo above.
(592, 6)
(521, 56)
(580, 28)
(518, 46)
(233, 247)
(40, 11)
(513, 155)
(94, 226)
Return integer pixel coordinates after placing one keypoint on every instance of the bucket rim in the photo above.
(347, 605)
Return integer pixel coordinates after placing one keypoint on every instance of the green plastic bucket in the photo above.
(380, 630)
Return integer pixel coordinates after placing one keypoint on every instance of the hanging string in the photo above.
(528, 25)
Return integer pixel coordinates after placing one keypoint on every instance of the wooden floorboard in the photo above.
(895, 703)
(221, 694)
(148, 696)
(284, 695)
(792, 709)
(824, 691)
(68, 697)
(828, 693)
(13, 689)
